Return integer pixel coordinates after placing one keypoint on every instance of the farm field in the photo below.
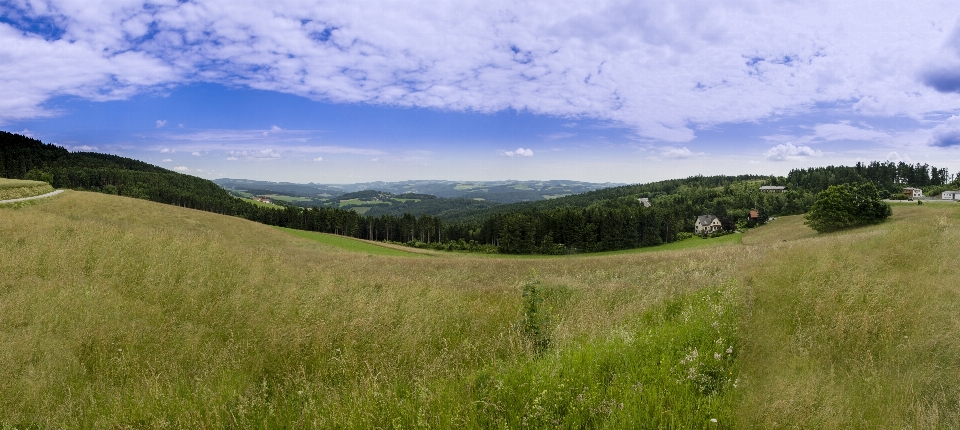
(116, 312)
(259, 203)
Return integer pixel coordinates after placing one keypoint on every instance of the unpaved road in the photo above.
(53, 193)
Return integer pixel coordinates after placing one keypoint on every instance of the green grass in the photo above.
(122, 313)
(287, 198)
(361, 202)
(16, 188)
(349, 244)
(18, 183)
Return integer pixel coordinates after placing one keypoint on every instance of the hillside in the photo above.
(119, 313)
(490, 191)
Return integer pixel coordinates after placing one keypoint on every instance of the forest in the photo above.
(601, 220)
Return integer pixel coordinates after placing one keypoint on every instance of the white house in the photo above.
(950, 195)
(772, 189)
(912, 192)
(706, 224)
(644, 201)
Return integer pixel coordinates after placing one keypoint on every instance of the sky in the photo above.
(602, 91)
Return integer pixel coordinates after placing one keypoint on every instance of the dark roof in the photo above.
(705, 219)
(772, 187)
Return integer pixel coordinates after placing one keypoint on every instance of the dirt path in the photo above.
(52, 193)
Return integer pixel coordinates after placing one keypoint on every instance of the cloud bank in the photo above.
(663, 69)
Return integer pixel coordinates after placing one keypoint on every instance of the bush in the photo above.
(847, 205)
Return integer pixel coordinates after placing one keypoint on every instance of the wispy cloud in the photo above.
(166, 160)
(561, 135)
(161, 123)
(679, 153)
(181, 169)
(83, 148)
(263, 154)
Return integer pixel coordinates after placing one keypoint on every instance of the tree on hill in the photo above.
(847, 205)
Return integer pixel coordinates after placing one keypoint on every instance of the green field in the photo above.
(18, 183)
(18, 188)
(361, 202)
(349, 244)
(287, 198)
(259, 203)
(122, 313)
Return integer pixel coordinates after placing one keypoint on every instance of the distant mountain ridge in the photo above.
(508, 191)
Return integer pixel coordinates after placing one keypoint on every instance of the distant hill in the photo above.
(491, 191)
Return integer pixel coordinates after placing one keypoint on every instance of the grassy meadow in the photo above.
(18, 188)
(123, 313)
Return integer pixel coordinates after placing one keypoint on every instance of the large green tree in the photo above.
(847, 205)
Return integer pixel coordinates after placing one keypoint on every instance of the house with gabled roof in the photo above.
(911, 192)
(707, 224)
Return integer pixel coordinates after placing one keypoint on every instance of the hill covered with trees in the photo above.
(600, 220)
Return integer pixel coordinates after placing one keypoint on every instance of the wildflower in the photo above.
(717, 356)
(713, 420)
(730, 350)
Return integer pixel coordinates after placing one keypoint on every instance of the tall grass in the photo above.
(17, 188)
(859, 329)
(117, 312)
(123, 313)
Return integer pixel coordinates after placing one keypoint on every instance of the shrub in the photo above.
(535, 324)
(847, 205)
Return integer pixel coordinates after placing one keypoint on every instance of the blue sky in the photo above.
(335, 92)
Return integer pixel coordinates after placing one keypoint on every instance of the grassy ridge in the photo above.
(117, 312)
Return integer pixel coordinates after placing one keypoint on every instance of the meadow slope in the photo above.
(123, 313)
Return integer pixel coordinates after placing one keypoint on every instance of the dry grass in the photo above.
(123, 313)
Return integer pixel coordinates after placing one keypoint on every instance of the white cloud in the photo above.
(179, 125)
(196, 153)
(520, 152)
(161, 123)
(318, 159)
(167, 151)
(789, 151)
(375, 159)
(671, 152)
(263, 154)
(662, 68)
(181, 169)
(946, 134)
(83, 148)
(166, 160)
